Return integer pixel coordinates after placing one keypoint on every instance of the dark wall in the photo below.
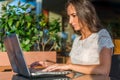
(54, 5)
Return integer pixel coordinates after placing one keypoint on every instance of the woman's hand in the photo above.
(39, 63)
(59, 67)
(42, 63)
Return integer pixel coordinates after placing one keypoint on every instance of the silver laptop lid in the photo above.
(15, 55)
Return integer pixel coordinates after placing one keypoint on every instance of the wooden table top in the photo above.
(13, 76)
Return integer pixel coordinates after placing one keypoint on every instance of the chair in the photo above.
(115, 66)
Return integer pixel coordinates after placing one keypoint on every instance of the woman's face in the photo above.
(73, 18)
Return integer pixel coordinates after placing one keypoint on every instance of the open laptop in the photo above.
(18, 62)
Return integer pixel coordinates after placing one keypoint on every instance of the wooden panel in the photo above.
(39, 56)
(30, 57)
(4, 61)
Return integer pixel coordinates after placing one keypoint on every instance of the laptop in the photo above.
(18, 62)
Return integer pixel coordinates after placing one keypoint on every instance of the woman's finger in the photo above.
(50, 68)
(35, 64)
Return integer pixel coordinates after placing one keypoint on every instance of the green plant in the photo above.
(16, 19)
(32, 33)
(48, 35)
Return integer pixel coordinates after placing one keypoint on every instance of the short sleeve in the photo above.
(105, 39)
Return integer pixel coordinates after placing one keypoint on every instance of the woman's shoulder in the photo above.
(103, 32)
(105, 39)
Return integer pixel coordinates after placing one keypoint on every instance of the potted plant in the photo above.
(33, 34)
(18, 19)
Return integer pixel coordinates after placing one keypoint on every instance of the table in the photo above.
(13, 76)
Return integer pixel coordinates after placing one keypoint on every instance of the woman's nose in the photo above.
(70, 20)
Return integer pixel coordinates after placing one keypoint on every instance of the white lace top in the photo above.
(86, 52)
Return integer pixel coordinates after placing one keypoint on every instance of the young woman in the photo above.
(92, 50)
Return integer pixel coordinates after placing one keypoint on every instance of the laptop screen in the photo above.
(15, 55)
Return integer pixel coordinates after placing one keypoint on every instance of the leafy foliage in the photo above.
(17, 20)
(32, 33)
(48, 35)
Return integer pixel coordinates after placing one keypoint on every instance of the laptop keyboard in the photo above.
(56, 72)
(39, 72)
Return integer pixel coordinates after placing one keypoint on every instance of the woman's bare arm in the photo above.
(102, 68)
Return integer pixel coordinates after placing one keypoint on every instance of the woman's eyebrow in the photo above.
(73, 13)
